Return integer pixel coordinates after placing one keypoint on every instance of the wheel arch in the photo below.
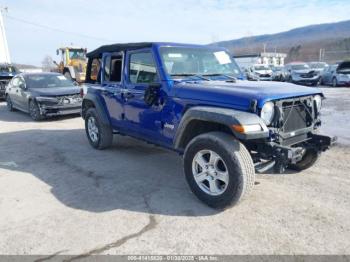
(92, 101)
(199, 120)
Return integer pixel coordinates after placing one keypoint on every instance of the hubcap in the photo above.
(92, 129)
(210, 172)
(33, 111)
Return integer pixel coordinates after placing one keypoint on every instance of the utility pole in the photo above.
(4, 50)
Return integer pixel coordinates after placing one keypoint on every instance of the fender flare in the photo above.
(94, 99)
(224, 116)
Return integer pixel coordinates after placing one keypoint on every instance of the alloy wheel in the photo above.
(93, 129)
(210, 172)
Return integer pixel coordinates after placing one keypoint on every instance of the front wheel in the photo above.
(100, 136)
(9, 104)
(334, 82)
(218, 169)
(34, 111)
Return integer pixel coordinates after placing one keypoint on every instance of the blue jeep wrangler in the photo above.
(189, 98)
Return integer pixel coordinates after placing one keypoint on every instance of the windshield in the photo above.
(8, 69)
(184, 61)
(261, 67)
(300, 67)
(76, 54)
(47, 81)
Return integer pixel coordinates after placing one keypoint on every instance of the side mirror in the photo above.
(57, 52)
(22, 86)
(152, 94)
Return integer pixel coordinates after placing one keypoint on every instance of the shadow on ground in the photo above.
(132, 175)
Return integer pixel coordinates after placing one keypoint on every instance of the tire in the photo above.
(334, 82)
(34, 111)
(100, 136)
(234, 161)
(68, 75)
(309, 159)
(9, 104)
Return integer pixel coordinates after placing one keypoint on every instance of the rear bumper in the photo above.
(281, 156)
(46, 110)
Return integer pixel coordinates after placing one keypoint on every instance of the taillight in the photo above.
(81, 92)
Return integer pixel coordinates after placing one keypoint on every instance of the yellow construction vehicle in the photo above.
(73, 63)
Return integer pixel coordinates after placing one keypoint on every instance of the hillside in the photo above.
(302, 43)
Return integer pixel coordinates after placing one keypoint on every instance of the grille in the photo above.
(296, 116)
(265, 75)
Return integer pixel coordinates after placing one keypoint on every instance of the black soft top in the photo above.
(97, 53)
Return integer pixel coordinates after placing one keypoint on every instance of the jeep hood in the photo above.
(56, 91)
(239, 94)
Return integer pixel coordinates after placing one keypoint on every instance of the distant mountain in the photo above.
(302, 43)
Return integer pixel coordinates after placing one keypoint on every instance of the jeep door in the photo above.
(142, 120)
(111, 81)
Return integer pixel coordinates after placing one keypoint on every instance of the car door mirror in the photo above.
(152, 94)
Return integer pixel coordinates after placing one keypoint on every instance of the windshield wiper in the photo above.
(192, 75)
(228, 76)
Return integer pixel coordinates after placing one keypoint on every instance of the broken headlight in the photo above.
(268, 112)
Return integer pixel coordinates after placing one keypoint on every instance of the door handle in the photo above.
(16, 90)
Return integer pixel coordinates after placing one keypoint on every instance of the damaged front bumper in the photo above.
(282, 156)
(55, 110)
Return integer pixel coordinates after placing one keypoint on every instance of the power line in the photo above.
(56, 29)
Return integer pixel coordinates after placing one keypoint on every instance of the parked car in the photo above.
(337, 75)
(318, 66)
(261, 72)
(7, 71)
(249, 75)
(186, 98)
(43, 94)
(277, 73)
(301, 73)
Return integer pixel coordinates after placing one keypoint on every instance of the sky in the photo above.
(97, 22)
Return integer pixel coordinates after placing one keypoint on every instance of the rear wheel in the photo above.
(34, 111)
(9, 104)
(309, 158)
(218, 169)
(99, 135)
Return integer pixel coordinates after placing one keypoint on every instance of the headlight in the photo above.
(46, 99)
(268, 112)
(318, 101)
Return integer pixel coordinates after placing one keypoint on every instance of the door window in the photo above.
(142, 68)
(113, 68)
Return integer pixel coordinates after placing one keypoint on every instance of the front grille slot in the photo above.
(296, 115)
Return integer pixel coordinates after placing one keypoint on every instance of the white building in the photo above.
(4, 50)
(266, 58)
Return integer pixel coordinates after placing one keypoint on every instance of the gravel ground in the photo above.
(59, 196)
